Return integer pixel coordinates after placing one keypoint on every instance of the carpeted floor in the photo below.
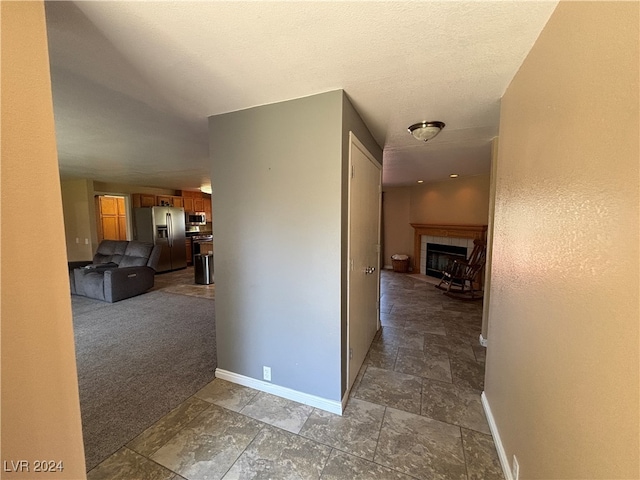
(137, 360)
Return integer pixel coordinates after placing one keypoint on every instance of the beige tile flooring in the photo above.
(183, 282)
(414, 411)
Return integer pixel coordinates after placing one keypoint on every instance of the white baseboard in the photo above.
(331, 406)
(483, 341)
(502, 455)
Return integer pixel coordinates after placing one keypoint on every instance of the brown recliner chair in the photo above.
(120, 269)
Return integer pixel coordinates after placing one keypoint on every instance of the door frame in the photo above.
(355, 142)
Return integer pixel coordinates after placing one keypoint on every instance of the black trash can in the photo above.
(203, 264)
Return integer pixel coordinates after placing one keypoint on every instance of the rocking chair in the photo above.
(461, 277)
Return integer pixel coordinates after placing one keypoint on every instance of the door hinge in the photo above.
(350, 353)
(353, 171)
(378, 248)
(351, 264)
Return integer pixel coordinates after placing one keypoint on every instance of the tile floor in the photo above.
(414, 411)
(183, 282)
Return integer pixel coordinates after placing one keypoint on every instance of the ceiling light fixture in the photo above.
(425, 130)
(454, 175)
(420, 181)
(206, 189)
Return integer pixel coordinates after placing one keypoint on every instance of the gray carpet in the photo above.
(137, 360)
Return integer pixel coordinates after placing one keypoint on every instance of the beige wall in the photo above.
(397, 231)
(562, 364)
(455, 201)
(108, 187)
(80, 213)
(40, 407)
(77, 218)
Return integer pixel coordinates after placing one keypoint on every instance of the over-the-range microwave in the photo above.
(195, 218)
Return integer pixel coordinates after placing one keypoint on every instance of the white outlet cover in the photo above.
(266, 373)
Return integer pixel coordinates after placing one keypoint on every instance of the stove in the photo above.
(202, 238)
(197, 241)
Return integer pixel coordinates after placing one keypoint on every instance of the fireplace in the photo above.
(443, 234)
(438, 256)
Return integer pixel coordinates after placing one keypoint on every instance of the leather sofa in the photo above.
(120, 269)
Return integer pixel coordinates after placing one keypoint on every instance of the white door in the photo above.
(363, 282)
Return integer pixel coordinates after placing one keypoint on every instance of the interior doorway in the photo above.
(363, 278)
(111, 216)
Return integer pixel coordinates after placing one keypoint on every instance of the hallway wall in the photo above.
(563, 355)
(277, 223)
(40, 405)
(77, 203)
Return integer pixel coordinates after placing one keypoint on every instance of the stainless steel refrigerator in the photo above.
(163, 226)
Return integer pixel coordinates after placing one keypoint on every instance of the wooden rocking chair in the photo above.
(462, 279)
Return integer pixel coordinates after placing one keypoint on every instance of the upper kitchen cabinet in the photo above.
(143, 200)
(169, 201)
(164, 200)
(207, 209)
(149, 200)
(198, 204)
(187, 203)
(193, 201)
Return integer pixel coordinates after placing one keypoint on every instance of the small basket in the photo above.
(400, 263)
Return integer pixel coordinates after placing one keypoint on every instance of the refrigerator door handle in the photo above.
(169, 232)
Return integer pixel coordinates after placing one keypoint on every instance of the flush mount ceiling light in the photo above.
(425, 130)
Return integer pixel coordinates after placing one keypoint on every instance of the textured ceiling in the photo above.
(134, 82)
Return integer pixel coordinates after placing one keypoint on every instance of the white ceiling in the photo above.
(134, 82)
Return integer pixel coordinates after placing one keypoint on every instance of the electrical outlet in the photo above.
(86, 241)
(515, 468)
(77, 240)
(266, 373)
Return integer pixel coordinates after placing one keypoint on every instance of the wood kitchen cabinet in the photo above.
(198, 204)
(164, 200)
(207, 209)
(187, 203)
(169, 201)
(148, 200)
(143, 200)
(112, 218)
(189, 253)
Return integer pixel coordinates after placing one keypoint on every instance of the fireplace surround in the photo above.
(444, 234)
(439, 256)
